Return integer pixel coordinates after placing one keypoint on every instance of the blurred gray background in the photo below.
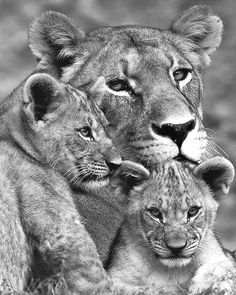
(16, 61)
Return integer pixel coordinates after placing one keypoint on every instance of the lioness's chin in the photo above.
(175, 262)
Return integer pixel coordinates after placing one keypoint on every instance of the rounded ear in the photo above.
(41, 96)
(218, 173)
(54, 39)
(202, 28)
(128, 175)
(98, 89)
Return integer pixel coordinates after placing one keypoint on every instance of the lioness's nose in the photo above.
(176, 132)
(176, 245)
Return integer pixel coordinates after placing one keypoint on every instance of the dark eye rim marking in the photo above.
(119, 85)
(181, 74)
(154, 212)
(85, 133)
(193, 211)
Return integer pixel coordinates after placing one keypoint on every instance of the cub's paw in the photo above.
(212, 279)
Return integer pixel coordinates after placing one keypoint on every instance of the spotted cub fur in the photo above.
(167, 239)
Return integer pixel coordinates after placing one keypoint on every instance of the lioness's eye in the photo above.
(86, 133)
(119, 85)
(155, 212)
(181, 74)
(193, 211)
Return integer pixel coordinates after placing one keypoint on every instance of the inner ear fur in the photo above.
(218, 173)
(41, 96)
(202, 28)
(54, 39)
(128, 175)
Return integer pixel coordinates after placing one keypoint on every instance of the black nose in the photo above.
(176, 245)
(176, 132)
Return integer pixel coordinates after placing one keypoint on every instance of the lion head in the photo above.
(153, 94)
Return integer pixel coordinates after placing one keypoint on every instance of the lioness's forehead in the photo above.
(142, 42)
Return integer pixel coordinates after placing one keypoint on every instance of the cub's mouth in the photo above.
(95, 178)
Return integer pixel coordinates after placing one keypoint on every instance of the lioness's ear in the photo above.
(202, 28)
(54, 39)
(218, 173)
(128, 175)
(42, 95)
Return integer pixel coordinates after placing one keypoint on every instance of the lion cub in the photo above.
(167, 239)
(50, 135)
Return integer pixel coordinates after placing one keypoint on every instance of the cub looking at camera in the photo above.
(167, 239)
(50, 135)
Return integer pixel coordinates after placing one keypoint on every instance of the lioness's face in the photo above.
(153, 95)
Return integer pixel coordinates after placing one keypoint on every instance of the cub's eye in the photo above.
(182, 74)
(193, 211)
(155, 212)
(119, 85)
(86, 133)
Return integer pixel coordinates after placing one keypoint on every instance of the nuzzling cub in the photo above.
(167, 239)
(50, 135)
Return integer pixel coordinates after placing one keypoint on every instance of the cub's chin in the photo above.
(175, 262)
(94, 184)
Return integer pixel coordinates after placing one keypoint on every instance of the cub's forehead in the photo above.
(82, 105)
(173, 184)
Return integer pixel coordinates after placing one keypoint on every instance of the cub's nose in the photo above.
(176, 132)
(176, 245)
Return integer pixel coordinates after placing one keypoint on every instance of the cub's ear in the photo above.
(202, 28)
(54, 39)
(218, 173)
(42, 96)
(98, 89)
(128, 175)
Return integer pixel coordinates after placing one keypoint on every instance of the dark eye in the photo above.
(85, 133)
(181, 74)
(193, 211)
(155, 212)
(119, 85)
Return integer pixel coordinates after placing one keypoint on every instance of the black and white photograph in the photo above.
(117, 147)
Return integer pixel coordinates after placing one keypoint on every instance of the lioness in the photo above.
(50, 135)
(153, 97)
(167, 238)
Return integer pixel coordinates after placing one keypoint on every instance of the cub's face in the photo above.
(69, 131)
(153, 94)
(173, 211)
